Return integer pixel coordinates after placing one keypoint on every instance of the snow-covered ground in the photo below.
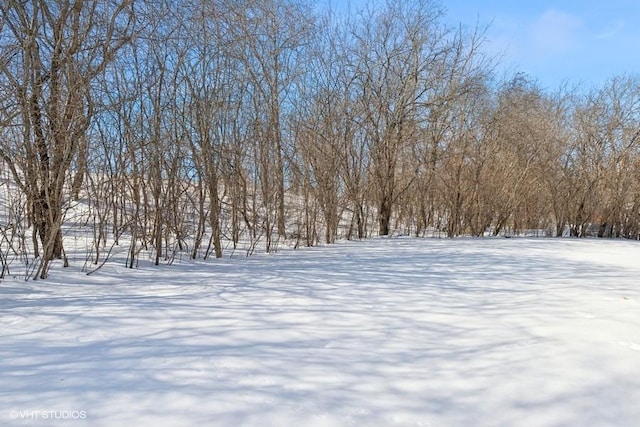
(384, 332)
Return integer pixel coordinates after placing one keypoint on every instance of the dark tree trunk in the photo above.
(384, 216)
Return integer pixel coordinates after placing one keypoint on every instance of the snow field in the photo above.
(384, 332)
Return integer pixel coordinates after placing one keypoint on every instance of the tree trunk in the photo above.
(384, 216)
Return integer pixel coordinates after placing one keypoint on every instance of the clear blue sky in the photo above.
(580, 41)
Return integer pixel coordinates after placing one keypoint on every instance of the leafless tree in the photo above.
(52, 52)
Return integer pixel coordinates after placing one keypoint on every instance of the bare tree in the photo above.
(269, 38)
(53, 51)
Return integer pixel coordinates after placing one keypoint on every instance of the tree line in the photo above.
(205, 126)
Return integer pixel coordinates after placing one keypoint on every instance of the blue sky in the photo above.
(579, 41)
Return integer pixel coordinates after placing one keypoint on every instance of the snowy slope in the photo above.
(407, 332)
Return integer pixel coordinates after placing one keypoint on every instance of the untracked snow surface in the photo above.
(384, 332)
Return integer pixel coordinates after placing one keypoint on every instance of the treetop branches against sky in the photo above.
(582, 42)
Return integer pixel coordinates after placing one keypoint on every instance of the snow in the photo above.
(383, 332)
